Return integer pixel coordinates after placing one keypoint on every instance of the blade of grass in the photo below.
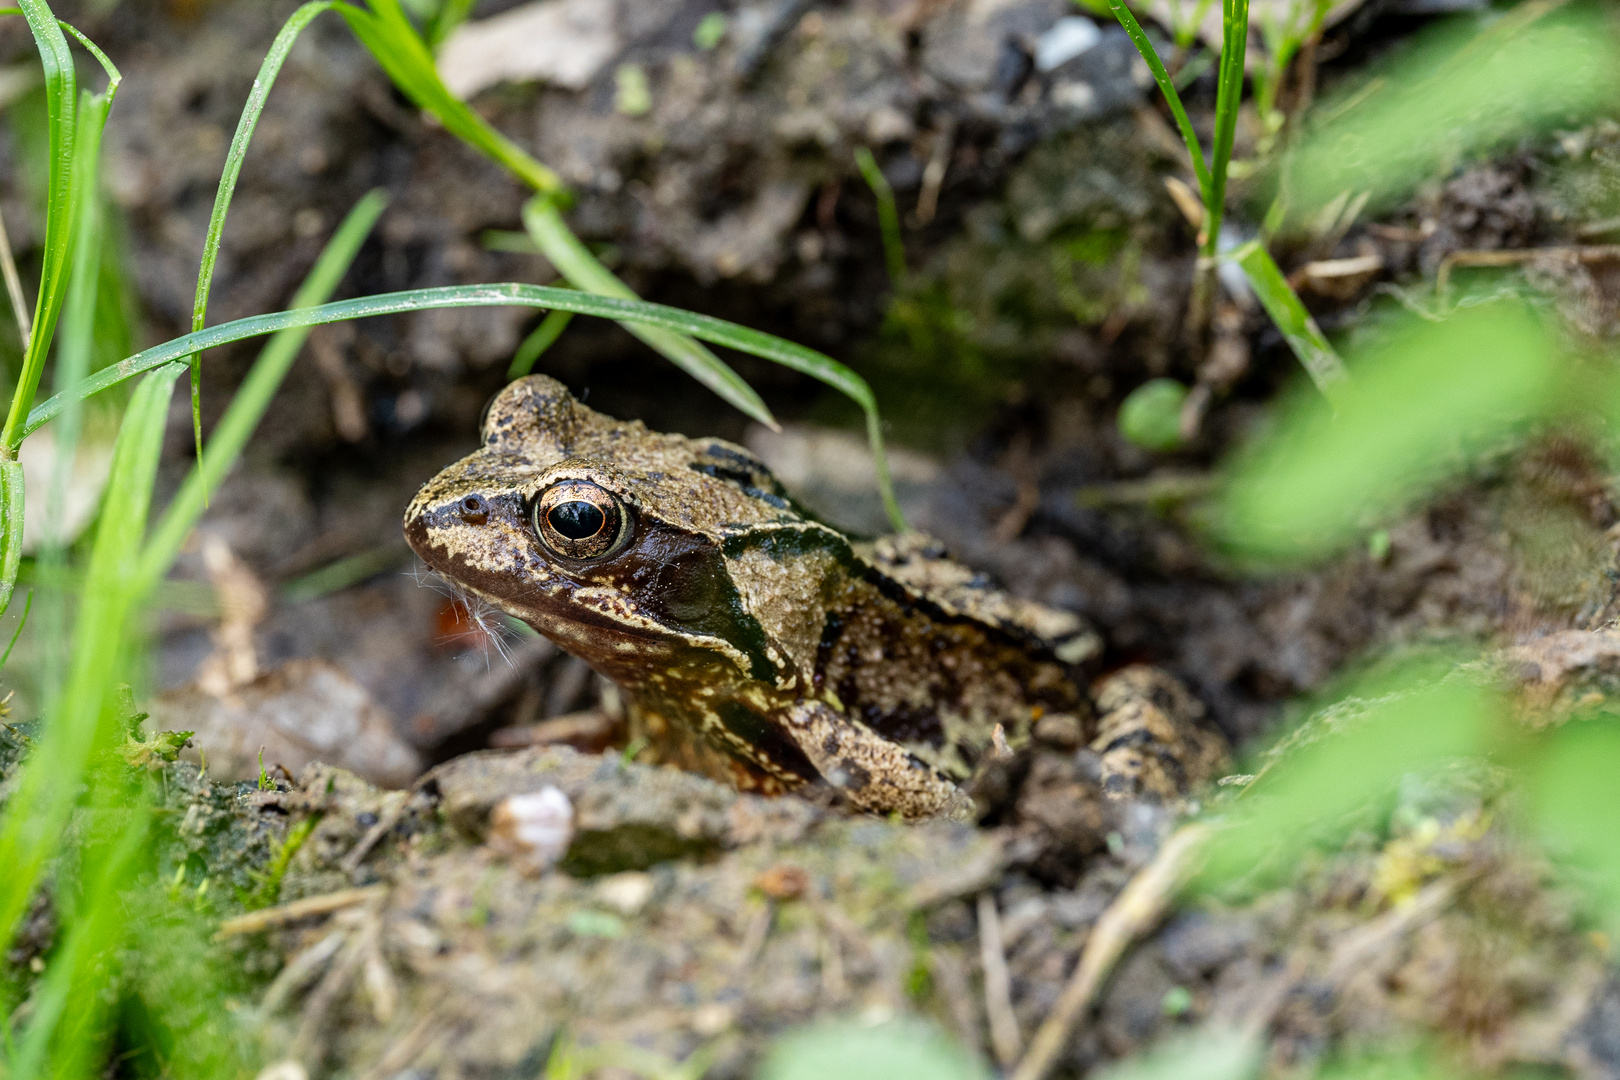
(1228, 97)
(545, 224)
(1167, 87)
(718, 331)
(451, 14)
(79, 307)
(394, 42)
(1323, 365)
(389, 36)
(535, 345)
(62, 1040)
(14, 291)
(28, 605)
(61, 95)
(268, 70)
(894, 252)
(62, 125)
(11, 528)
(38, 810)
(253, 397)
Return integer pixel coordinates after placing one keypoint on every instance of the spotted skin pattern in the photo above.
(756, 643)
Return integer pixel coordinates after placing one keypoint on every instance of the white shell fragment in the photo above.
(535, 828)
(1067, 39)
(561, 42)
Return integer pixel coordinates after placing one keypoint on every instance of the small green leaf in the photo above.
(849, 1051)
(632, 94)
(711, 30)
(600, 924)
(1150, 415)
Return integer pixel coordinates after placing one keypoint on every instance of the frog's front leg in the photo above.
(875, 774)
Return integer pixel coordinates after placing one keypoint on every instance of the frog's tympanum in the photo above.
(756, 643)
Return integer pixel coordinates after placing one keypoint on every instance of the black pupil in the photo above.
(577, 520)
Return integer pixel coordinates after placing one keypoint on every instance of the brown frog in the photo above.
(757, 643)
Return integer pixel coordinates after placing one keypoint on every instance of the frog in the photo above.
(756, 643)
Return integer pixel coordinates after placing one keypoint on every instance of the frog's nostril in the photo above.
(474, 510)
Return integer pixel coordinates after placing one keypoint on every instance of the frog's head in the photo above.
(635, 551)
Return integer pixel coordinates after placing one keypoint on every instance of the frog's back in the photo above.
(929, 654)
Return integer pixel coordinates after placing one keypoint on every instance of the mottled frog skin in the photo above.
(757, 643)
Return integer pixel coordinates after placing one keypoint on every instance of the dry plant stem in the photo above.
(1004, 1036)
(933, 178)
(1357, 948)
(1134, 912)
(8, 268)
(300, 970)
(1596, 253)
(385, 822)
(308, 907)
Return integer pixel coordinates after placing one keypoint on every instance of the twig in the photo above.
(1004, 1036)
(952, 980)
(933, 177)
(1137, 909)
(399, 1056)
(1359, 946)
(754, 935)
(8, 268)
(386, 821)
(1586, 254)
(300, 969)
(309, 906)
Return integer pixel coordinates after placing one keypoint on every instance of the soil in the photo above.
(1049, 275)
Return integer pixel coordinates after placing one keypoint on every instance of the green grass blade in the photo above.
(62, 1039)
(583, 271)
(11, 527)
(79, 308)
(61, 95)
(393, 41)
(268, 70)
(1167, 87)
(28, 605)
(705, 327)
(38, 810)
(535, 345)
(1228, 99)
(451, 14)
(253, 397)
(1323, 365)
(894, 251)
(507, 294)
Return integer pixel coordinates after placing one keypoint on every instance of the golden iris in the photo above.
(579, 520)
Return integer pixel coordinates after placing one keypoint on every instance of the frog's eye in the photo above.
(579, 520)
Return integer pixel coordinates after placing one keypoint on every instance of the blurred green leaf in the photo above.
(1214, 1053)
(1457, 94)
(1572, 786)
(1403, 725)
(1419, 406)
(38, 810)
(898, 1050)
(1150, 415)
